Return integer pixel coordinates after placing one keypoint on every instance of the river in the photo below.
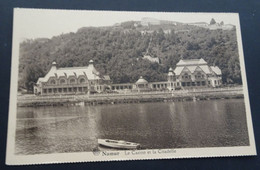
(59, 129)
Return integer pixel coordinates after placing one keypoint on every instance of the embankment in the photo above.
(175, 96)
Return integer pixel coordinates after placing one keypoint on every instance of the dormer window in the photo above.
(82, 80)
(72, 81)
(62, 81)
(53, 82)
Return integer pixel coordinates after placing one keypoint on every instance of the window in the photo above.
(82, 80)
(198, 83)
(62, 81)
(188, 83)
(60, 90)
(49, 90)
(193, 83)
(44, 90)
(203, 83)
(183, 84)
(72, 81)
(53, 81)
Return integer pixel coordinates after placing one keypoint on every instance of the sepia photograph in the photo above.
(117, 85)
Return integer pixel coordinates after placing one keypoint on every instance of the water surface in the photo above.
(59, 129)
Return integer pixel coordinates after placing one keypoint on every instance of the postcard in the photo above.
(91, 86)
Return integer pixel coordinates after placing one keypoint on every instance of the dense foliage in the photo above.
(118, 51)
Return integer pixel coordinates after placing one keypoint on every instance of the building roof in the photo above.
(178, 70)
(141, 80)
(89, 71)
(191, 62)
(216, 70)
(151, 59)
(194, 65)
(106, 77)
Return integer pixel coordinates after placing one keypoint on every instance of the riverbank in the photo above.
(130, 97)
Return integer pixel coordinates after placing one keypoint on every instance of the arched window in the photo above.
(72, 81)
(82, 80)
(53, 81)
(62, 81)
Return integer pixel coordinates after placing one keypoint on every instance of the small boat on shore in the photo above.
(120, 144)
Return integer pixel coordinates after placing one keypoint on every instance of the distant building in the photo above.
(146, 21)
(196, 73)
(149, 21)
(215, 26)
(192, 73)
(71, 80)
(200, 24)
(151, 59)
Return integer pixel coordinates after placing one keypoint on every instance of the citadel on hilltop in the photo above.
(188, 74)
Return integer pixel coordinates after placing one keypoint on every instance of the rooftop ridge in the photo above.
(72, 68)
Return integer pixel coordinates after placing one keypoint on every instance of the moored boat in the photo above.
(120, 144)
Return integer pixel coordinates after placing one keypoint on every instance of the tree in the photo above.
(32, 73)
(116, 52)
(212, 21)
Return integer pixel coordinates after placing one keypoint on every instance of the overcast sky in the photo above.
(41, 23)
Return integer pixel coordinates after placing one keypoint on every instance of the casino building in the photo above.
(188, 74)
(71, 80)
(195, 73)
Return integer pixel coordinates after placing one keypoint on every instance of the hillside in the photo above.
(118, 51)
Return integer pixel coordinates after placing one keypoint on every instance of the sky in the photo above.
(46, 23)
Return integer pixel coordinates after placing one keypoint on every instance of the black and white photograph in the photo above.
(116, 85)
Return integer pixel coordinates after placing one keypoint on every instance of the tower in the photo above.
(171, 80)
(171, 75)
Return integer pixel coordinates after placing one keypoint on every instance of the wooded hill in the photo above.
(118, 51)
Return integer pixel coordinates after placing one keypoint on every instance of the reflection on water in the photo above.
(154, 125)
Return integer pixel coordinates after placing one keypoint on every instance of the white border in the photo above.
(12, 159)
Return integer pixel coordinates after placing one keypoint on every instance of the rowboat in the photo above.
(120, 144)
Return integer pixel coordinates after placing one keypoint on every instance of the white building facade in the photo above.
(71, 80)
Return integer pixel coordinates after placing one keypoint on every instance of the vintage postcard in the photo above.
(107, 85)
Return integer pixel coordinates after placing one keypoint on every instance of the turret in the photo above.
(91, 67)
(171, 75)
(53, 66)
(91, 62)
